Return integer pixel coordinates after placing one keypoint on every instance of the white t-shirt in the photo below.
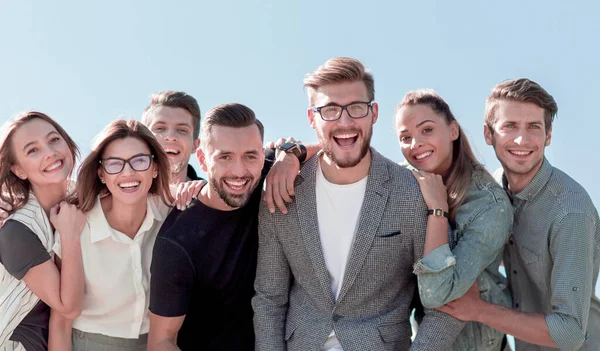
(117, 273)
(338, 210)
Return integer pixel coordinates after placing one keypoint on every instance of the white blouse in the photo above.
(117, 273)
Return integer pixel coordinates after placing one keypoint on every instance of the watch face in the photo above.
(287, 147)
(438, 213)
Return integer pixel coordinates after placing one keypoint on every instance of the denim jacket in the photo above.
(481, 227)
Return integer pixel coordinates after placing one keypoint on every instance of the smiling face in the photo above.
(42, 155)
(426, 139)
(128, 187)
(173, 128)
(233, 160)
(345, 141)
(519, 137)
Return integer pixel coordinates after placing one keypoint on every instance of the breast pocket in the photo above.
(532, 262)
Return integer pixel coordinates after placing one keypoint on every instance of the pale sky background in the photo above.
(86, 63)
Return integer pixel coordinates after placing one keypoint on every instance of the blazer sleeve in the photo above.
(272, 285)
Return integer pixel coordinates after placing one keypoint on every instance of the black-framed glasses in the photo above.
(139, 163)
(357, 109)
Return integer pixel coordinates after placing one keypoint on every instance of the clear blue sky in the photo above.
(85, 63)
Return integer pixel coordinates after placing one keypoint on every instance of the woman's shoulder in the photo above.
(485, 189)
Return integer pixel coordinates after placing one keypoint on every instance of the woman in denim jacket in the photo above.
(462, 196)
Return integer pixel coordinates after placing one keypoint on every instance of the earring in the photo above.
(102, 180)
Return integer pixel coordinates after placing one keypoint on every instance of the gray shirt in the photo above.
(552, 259)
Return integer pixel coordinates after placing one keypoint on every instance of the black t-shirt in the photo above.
(191, 173)
(20, 250)
(203, 267)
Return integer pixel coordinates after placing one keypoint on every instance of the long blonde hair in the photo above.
(464, 162)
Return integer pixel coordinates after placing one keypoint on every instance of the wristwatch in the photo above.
(438, 212)
(298, 150)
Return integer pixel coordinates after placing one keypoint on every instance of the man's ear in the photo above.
(549, 136)
(375, 112)
(18, 171)
(201, 159)
(487, 134)
(196, 144)
(311, 117)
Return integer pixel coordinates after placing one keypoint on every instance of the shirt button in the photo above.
(336, 317)
(514, 271)
(517, 305)
(511, 241)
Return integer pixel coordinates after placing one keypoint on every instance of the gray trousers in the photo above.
(83, 341)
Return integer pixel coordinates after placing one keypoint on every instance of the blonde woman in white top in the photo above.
(36, 160)
(123, 187)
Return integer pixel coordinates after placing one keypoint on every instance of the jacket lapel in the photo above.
(309, 224)
(373, 207)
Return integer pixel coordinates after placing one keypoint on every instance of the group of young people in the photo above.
(325, 246)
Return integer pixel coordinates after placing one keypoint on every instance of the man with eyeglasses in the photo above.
(335, 272)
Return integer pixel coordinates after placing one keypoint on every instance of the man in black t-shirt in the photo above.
(204, 259)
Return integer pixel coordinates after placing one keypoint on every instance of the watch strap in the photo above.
(438, 212)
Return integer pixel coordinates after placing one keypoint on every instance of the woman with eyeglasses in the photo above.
(461, 195)
(36, 161)
(123, 188)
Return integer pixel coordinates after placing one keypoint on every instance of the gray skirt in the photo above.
(83, 341)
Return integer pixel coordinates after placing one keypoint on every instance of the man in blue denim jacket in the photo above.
(553, 255)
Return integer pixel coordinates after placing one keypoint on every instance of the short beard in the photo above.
(364, 149)
(231, 200)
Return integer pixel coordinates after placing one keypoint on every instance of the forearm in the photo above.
(437, 233)
(60, 333)
(529, 327)
(71, 278)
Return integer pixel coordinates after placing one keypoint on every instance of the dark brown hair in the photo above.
(174, 99)
(15, 190)
(89, 185)
(229, 115)
(339, 70)
(520, 90)
(464, 162)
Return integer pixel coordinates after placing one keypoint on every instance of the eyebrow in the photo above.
(419, 124)
(178, 124)
(35, 141)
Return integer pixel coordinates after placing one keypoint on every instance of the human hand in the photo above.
(186, 192)
(279, 184)
(67, 220)
(5, 208)
(433, 189)
(467, 307)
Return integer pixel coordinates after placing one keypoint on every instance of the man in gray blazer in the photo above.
(335, 273)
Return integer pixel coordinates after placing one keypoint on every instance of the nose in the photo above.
(170, 135)
(127, 169)
(345, 118)
(238, 168)
(415, 143)
(522, 137)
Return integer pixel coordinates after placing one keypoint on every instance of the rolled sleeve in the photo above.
(571, 247)
(436, 261)
(20, 249)
(446, 275)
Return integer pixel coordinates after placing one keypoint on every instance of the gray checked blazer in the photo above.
(294, 307)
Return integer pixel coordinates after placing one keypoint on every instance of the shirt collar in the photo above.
(538, 182)
(100, 229)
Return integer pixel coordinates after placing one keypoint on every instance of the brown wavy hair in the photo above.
(174, 99)
(464, 162)
(89, 185)
(15, 190)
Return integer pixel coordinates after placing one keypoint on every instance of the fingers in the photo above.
(270, 145)
(268, 197)
(54, 212)
(277, 197)
(279, 142)
(5, 208)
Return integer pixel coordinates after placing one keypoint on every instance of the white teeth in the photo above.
(229, 182)
(422, 156)
(346, 136)
(129, 185)
(520, 153)
(54, 166)
(171, 151)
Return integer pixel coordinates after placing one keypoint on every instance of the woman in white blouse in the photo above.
(123, 187)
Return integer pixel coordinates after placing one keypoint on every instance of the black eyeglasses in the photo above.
(139, 163)
(333, 112)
